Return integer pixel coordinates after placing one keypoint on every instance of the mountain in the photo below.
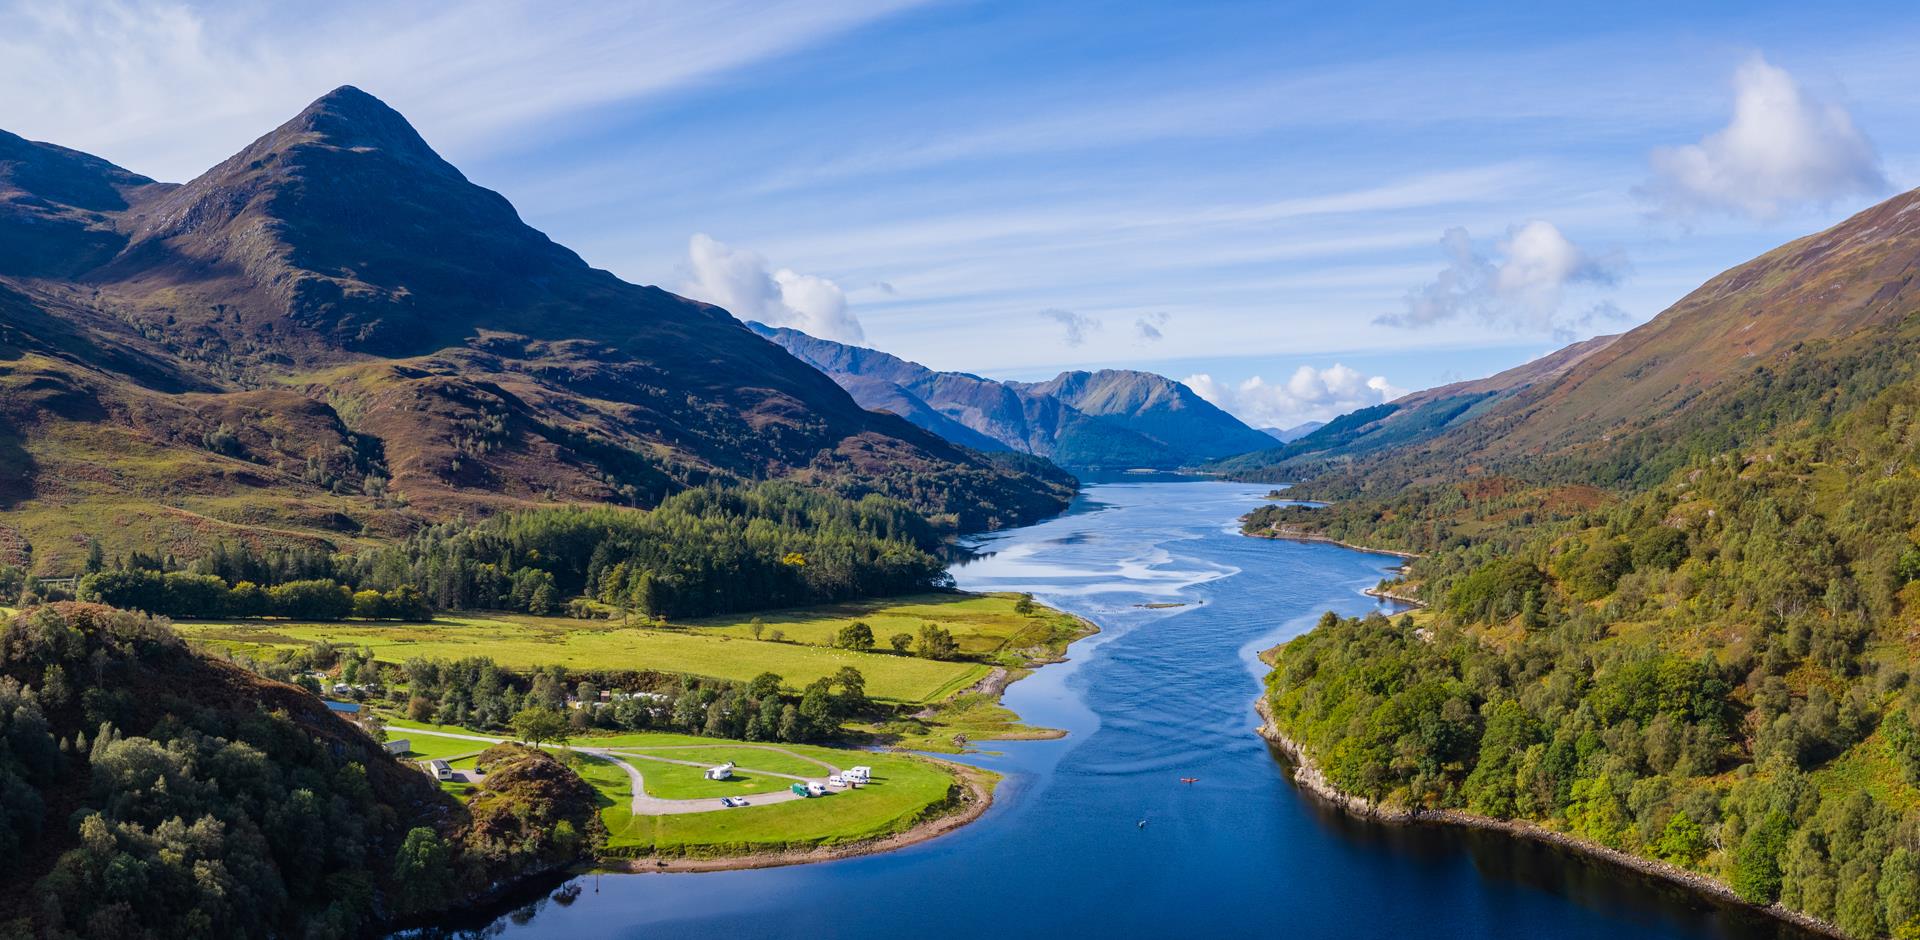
(1298, 431)
(1111, 418)
(1408, 419)
(334, 336)
(1669, 589)
(1794, 335)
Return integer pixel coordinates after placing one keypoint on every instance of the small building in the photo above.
(398, 746)
(439, 769)
(341, 688)
(721, 772)
(344, 709)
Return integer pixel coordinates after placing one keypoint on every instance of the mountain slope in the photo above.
(1111, 418)
(335, 336)
(1672, 593)
(1408, 419)
(1792, 336)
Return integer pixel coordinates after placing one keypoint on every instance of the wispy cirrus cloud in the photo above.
(170, 88)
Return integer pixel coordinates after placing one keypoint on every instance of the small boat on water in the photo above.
(1189, 779)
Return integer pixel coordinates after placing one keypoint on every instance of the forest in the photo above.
(1715, 670)
(151, 792)
(478, 694)
(701, 552)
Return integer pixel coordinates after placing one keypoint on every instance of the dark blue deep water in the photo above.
(1158, 695)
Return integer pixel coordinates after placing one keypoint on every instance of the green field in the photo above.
(676, 782)
(422, 747)
(905, 789)
(775, 761)
(523, 641)
(983, 624)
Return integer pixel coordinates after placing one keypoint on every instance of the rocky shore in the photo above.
(1309, 777)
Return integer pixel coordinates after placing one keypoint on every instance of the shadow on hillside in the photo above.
(16, 471)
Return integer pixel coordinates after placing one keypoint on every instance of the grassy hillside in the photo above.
(334, 338)
(1783, 343)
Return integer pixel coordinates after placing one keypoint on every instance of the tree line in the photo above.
(1715, 671)
(701, 552)
(479, 694)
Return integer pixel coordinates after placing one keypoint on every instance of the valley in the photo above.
(373, 564)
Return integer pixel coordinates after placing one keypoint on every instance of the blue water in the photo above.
(1159, 694)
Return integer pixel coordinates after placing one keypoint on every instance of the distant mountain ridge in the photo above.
(1298, 431)
(1413, 417)
(334, 337)
(1107, 419)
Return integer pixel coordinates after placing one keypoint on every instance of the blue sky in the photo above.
(1227, 191)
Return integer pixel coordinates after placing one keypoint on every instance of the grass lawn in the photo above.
(675, 782)
(904, 790)
(775, 761)
(523, 641)
(422, 747)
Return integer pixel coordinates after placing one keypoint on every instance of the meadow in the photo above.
(987, 627)
(520, 642)
(984, 625)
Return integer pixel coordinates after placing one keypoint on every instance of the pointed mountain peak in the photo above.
(351, 119)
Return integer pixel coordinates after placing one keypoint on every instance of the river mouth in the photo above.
(1098, 833)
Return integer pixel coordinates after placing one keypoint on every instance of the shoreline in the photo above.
(976, 796)
(1284, 536)
(1308, 777)
(976, 799)
(1412, 602)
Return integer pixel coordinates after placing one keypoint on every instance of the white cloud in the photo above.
(739, 280)
(1310, 394)
(1521, 289)
(1075, 326)
(1783, 150)
(1148, 327)
(170, 88)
